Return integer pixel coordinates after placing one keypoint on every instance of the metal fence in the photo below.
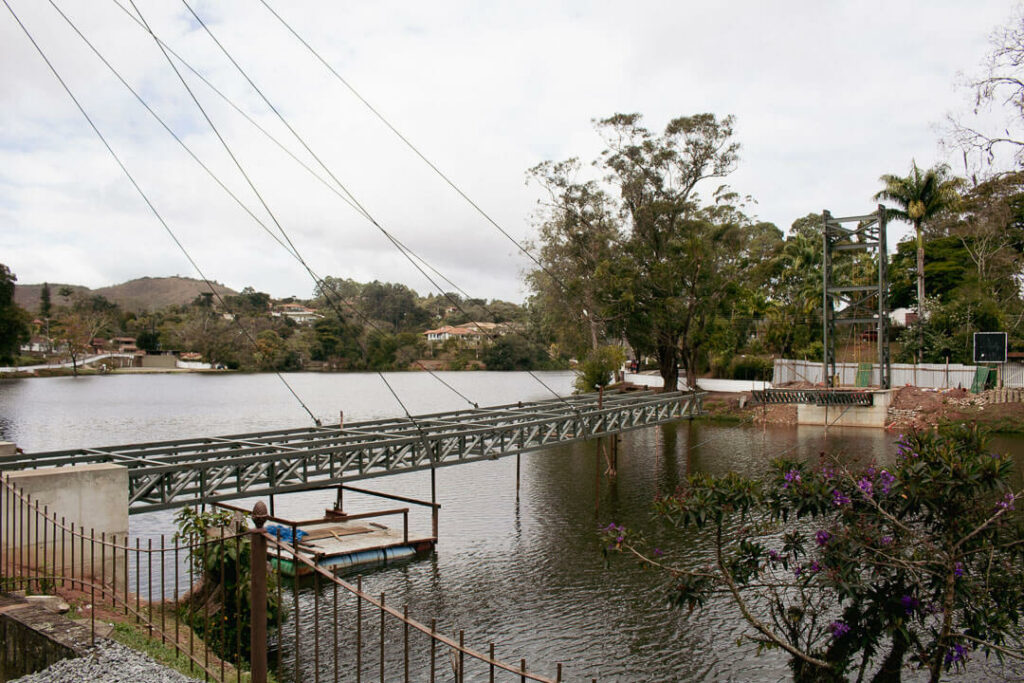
(322, 628)
(932, 375)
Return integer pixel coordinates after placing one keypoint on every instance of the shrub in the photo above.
(922, 562)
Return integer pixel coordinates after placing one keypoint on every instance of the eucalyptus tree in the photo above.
(677, 258)
(579, 232)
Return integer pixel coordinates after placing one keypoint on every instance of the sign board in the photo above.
(989, 347)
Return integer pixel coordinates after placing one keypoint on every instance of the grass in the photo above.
(136, 636)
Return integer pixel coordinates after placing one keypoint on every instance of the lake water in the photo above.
(528, 572)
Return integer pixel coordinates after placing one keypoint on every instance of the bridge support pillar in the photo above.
(875, 415)
(92, 497)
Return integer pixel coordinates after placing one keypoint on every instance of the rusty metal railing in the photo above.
(159, 589)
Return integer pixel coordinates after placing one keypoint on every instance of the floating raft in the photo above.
(342, 545)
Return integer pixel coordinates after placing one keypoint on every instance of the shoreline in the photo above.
(913, 409)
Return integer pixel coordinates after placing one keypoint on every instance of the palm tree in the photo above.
(920, 196)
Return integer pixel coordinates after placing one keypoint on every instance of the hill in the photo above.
(142, 294)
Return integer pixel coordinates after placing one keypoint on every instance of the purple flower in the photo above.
(885, 481)
(791, 477)
(909, 604)
(619, 539)
(886, 540)
(773, 555)
(1007, 502)
(839, 498)
(797, 571)
(658, 552)
(839, 629)
(958, 569)
(865, 485)
(827, 472)
(957, 653)
(822, 537)
(815, 567)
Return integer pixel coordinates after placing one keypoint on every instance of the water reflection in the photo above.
(527, 571)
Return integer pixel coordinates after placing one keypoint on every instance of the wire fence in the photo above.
(227, 610)
(930, 375)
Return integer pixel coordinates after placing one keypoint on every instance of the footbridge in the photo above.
(170, 474)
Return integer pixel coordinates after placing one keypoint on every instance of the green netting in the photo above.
(981, 377)
(863, 375)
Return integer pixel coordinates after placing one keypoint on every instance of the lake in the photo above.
(526, 572)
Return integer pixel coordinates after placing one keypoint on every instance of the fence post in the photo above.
(258, 574)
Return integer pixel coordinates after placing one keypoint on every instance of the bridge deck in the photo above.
(815, 397)
(169, 474)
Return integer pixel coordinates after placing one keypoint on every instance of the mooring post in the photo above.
(433, 501)
(517, 475)
(258, 574)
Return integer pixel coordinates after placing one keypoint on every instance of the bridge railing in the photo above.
(218, 607)
(171, 474)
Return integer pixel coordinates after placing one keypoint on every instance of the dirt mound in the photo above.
(915, 398)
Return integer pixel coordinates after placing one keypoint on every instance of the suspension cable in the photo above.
(262, 201)
(145, 197)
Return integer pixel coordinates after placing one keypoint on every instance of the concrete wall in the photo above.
(93, 497)
(875, 415)
(31, 639)
(161, 361)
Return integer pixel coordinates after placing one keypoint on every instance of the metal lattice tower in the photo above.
(863, 302)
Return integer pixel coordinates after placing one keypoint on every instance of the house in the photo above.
(470, 334)
(124, 344)
(466, 336)
(37, 344)
(297, 312)
(903, 317)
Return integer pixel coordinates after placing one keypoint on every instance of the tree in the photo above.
(860, 570)
(598, 369)
(14, 320)
(579, 234)
(920, 196)
(513, 352)
(84, 321)
(675, 255)
(1000, 85)
(392, 303)
(45, 305)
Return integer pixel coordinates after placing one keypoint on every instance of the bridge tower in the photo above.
(850, 295)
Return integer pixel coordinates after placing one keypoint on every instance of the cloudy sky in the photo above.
(827, 97)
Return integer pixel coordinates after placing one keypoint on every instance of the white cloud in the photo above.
(828, 96)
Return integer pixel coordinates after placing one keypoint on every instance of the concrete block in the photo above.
(92, 497)
(7, 448)
(848, 416)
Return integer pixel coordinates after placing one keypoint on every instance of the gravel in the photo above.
(109, 662)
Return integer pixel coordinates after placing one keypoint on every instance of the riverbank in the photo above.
(911, 408)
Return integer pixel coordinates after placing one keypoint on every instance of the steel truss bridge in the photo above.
(814, 397)
(170, 474)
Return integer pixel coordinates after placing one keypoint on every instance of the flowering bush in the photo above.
(921, 563)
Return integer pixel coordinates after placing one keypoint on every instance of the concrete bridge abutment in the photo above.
(93, 497)
(874, 415)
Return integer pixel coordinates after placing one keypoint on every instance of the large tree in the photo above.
(13, 318)
(673, 261)
(919, 197)
(579, 231)
(646, 260)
